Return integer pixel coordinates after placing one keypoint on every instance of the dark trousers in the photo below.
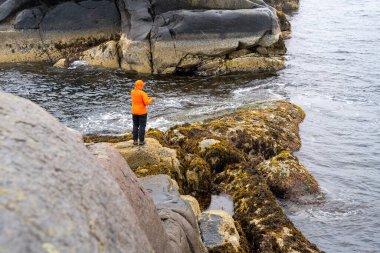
(139, 124)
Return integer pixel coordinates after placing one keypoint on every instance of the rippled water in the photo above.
(333, 72)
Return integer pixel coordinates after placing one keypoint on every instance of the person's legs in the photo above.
(136, 124)
(142, 123)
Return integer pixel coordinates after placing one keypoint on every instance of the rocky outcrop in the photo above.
(139, 198)
(259, 214)
(284, 5)
(287, 177)
(54, 195)
(219, 232)
(194, 205)
(177, 215)
(161, 36)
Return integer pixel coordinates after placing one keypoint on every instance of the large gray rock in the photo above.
(177, 215)
(29, 19)
(54, 196)
(177, 34)
(87, 15)
(10, 6)
(140, 200)
(219, 232)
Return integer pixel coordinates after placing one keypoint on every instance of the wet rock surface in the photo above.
(54, 196)
(219, 232)
(287, 178)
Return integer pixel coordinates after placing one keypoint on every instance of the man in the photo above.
(140, 101)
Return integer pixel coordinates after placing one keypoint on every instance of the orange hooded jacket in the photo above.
(140, 99)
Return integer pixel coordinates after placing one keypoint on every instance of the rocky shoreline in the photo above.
(62, 192)
(148, 37)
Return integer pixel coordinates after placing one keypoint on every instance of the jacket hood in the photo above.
(139, 84)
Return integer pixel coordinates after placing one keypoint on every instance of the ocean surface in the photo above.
(333, 73)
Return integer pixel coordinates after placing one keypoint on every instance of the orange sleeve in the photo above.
(147, 100)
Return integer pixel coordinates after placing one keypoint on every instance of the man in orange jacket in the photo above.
(140, 101)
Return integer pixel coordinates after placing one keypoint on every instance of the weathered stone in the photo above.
(255, 64)
(54, 196)
(283, 21)
(140, 200)
(70, 17)
(10, 6)
(176, 33)
(284, 5)
(61, 63)
(136, 55)
(287, 178)
(238, 53)
(105, 55)
(176, 214)
(256, 209)
(29, 19)
(151, 159)
(219, 232)
(197, 174)
(194, 205)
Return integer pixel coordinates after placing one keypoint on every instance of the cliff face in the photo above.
(159, 36)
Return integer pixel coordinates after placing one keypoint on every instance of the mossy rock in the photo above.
(287, 177)
(94, 138)
(266, 226)
(197, 173)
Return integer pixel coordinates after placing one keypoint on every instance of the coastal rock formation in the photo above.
(287, 178)
(160, 37)
(219, 232)
(259, 214)
(177, 215)
(54, 195)
(138, 197)
(194, 205)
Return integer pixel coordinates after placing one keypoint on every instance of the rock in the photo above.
(193, 202)
(287, 178)
(70, 17)
(105, 55)
(139, 198)
(239, 53)
(175, 33)
(62, 63)
(219, 232)
(283, 21)
(135, 55)
(258, 132)
(266, 226)
(76, 133)
(176, 214)
(151, 159)
(8, 7)
(284, 5)
(197, 174)
(54, 195)
(262, 50)
(255, 64)
(29, 19)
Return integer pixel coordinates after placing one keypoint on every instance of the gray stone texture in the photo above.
(9, 7)
(86, 15)
(54, 195)
(29, 19)
(177, 215)
(139, 198)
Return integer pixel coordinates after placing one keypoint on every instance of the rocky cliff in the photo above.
(147, 36)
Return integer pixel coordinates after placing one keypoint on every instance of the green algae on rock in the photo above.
(266, 226)
(287, 178)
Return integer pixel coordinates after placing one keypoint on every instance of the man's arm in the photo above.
(147, 100)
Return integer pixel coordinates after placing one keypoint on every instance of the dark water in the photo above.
(333, 72)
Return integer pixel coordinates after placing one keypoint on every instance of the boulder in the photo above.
(219, 232)
(193, 202)
(61, 63)
(175, 34)
(151, 159)
(54, 195)
(139, 198)
(284, 5)
(177, 215)
(8, 7)
(29, 19)
(287, 177)
(255, 64)
(105, 55)
(266, 226)
(84, 16)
